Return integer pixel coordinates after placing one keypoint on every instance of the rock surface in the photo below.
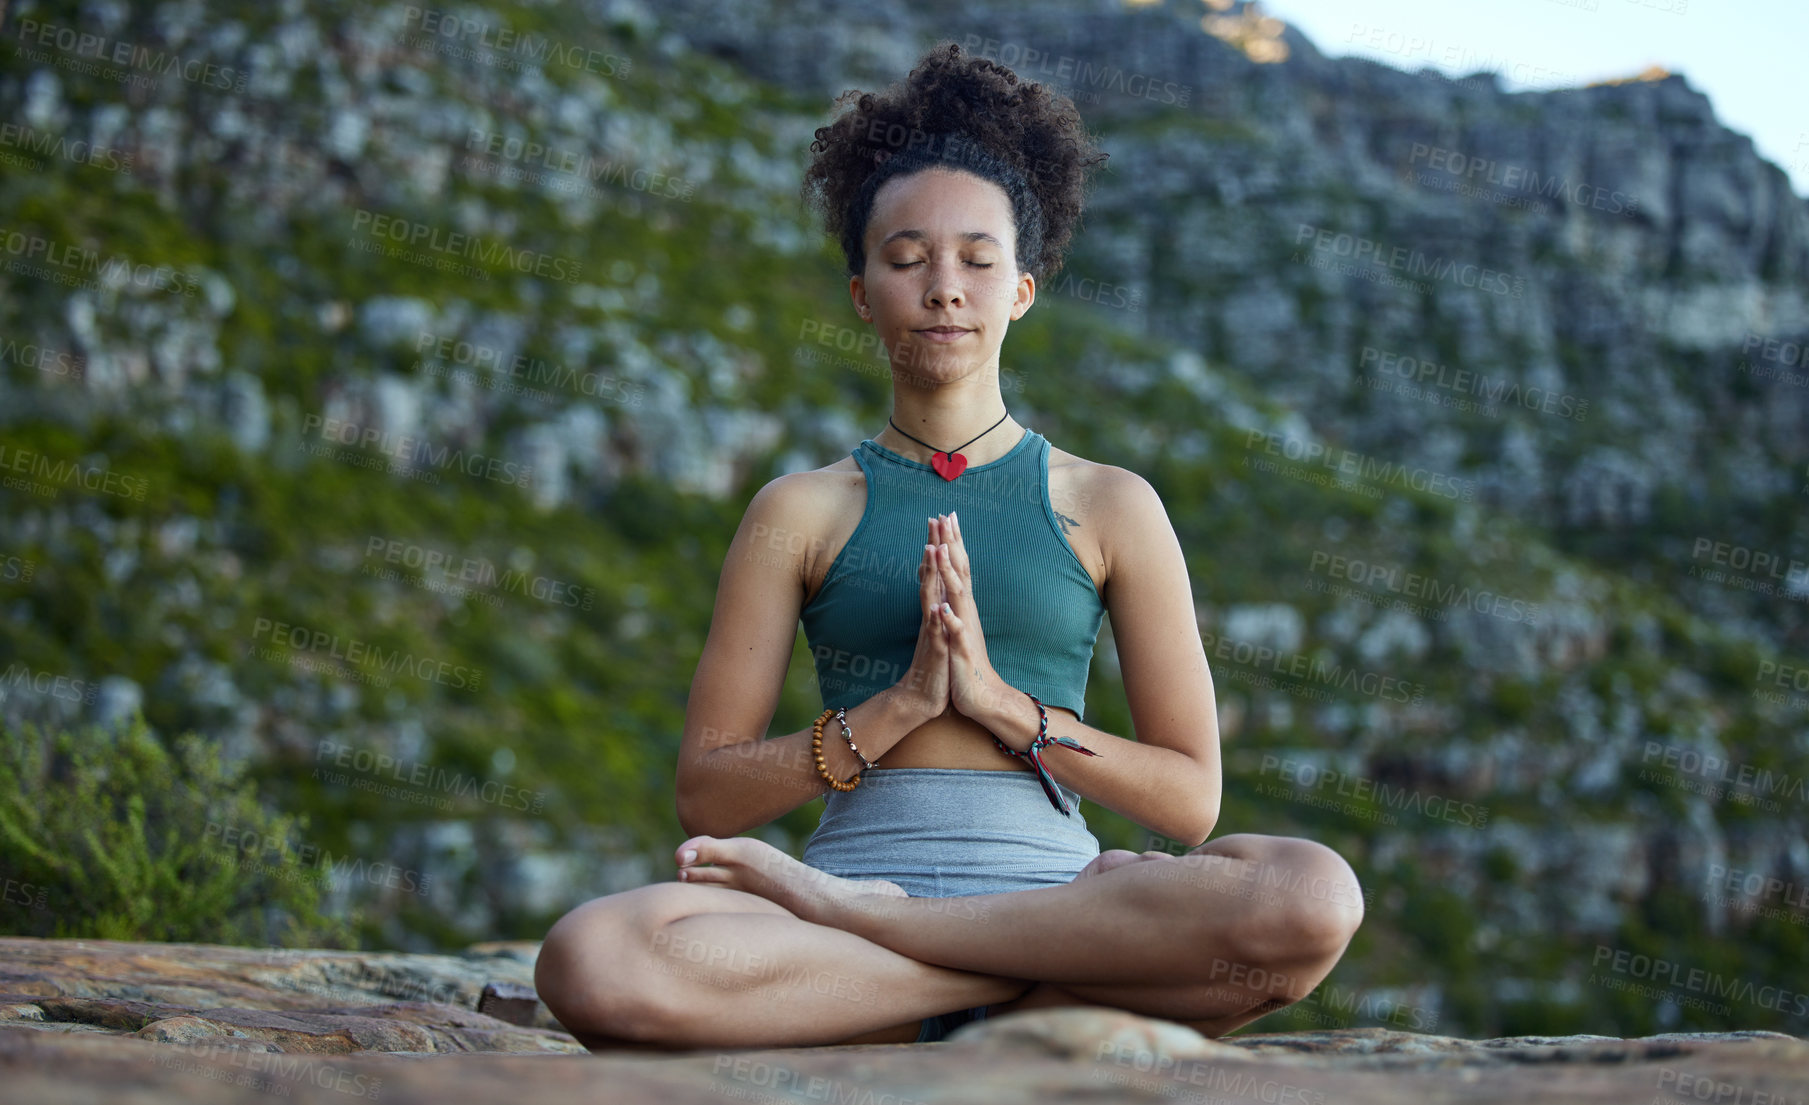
(266, 999)
(104, 1021)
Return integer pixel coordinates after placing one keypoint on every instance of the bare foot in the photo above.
(744, 863)
(1117, 857)
(884, 887)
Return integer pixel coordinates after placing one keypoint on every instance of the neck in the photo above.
(949, 415)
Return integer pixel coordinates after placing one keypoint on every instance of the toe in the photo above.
(691, 851)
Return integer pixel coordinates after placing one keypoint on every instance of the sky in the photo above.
(1750, 57)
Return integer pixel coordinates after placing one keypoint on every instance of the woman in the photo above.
(951, 876)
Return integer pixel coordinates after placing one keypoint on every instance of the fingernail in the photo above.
(689, 856)
(952, 518)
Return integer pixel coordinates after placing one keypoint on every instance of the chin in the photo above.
(938, 362)
(932, 369)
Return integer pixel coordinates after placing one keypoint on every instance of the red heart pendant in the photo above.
(948, 467)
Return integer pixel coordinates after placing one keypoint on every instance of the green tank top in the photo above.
(1039, 610)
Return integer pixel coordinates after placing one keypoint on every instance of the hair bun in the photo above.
(1001, 121)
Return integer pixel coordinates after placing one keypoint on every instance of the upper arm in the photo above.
(1166, 680)
(753, 627)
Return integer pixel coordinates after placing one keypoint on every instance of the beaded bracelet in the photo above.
(816, 748)
(1035, 756)
(841, 715)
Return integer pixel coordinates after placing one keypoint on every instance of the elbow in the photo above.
(1193, 832)
(691, 797)
(696, 823)
(708, 806)
(1203, 828)
(699, 816)
(1207, 812)
(693, 816)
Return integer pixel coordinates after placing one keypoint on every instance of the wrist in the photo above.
(906, 707)
(833, 762)
(897, 709)
(1012, 717)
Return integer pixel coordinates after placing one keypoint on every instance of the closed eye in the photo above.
(908, 264)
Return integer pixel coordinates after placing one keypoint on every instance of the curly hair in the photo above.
(958, 112)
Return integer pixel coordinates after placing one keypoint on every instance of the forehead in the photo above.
(940, 201)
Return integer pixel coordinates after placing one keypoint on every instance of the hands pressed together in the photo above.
(950, 666)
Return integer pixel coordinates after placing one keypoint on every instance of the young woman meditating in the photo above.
(951, 575)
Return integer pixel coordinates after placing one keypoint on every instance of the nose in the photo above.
(945, 287)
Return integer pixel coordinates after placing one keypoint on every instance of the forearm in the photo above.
(1165, 791)
(740, 785)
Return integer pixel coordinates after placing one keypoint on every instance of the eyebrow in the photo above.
(920, 236)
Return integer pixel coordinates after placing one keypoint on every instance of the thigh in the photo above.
(592, 950)
(1045, 995)
(1261, 957)
(660, 903)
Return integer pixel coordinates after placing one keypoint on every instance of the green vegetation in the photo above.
(577, 707)
(111, 835)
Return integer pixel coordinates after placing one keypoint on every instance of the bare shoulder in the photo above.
(1103, 493)
(1102, 509)
(804, 516)
(797, 495)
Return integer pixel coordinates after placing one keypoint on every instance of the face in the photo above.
(941, 283)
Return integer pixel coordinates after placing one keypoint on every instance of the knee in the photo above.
(1321, 901)
(565, 971)
(587, 973)
(1310, 903)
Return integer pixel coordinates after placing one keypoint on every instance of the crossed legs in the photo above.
(752, 948)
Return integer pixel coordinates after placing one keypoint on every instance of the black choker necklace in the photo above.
(950, 464)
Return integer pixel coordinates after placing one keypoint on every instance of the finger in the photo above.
(930, 591)
(929, 580)
(958, 546)
(953, 619)
(945, 566)
(930, 597)
(952, 626)
(955, 586)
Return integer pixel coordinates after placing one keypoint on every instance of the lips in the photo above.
(944, 333)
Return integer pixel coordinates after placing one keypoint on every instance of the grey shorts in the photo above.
(942, 832)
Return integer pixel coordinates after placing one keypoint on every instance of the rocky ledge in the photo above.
(99, 1020)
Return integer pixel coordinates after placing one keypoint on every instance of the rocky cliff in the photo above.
(382, 386)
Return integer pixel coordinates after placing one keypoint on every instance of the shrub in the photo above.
(108, 834)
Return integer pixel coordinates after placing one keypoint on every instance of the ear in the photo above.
(857, 291)
(1026, 295)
